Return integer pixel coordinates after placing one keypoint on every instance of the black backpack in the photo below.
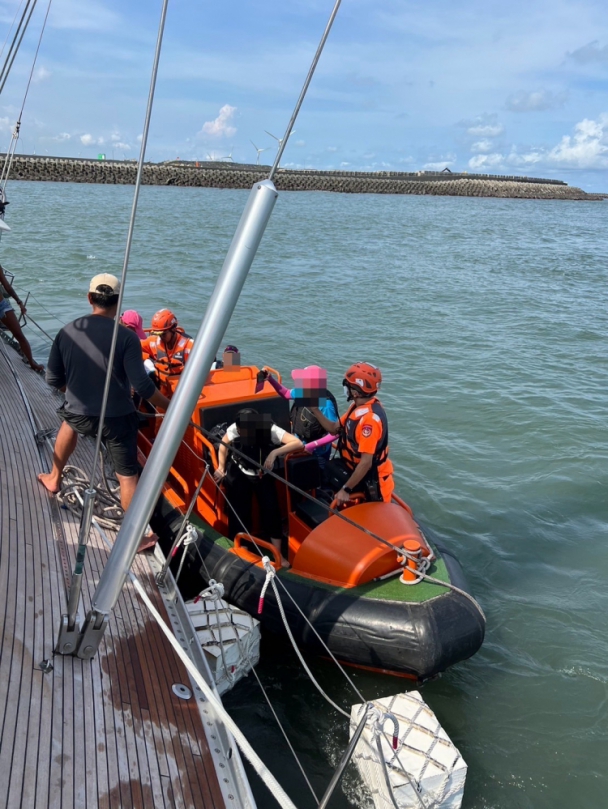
(304, 424)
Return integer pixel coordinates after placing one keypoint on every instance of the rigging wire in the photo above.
(8, 33)
(294, 114)
(8, 160)
(14, 47)
(42, 306)
(138, 179)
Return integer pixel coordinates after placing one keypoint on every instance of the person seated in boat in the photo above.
(167, 349)
(231, 358)
(9, 319)
(133, 321)
(363, 465)
(311, 389)
(77, 366)
(260, 443)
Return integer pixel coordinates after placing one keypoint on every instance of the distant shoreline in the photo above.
(238, 175)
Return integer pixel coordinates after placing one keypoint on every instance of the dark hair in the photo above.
(246, 411)
(104, 300)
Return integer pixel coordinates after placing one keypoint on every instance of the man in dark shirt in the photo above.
(77, 365)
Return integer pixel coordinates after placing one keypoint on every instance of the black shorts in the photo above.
(119, 435)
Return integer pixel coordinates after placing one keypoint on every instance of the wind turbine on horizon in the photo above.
(279, 140)
(229, 156)
(259, 151)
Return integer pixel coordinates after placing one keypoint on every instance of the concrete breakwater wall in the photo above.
(235, 175)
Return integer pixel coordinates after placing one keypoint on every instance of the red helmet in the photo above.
(364, 376)
(164, 320)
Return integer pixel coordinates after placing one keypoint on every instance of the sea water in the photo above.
(488, 319)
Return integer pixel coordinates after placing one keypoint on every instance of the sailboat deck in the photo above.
(108, 732)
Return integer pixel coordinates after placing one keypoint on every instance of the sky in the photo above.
(485, 87)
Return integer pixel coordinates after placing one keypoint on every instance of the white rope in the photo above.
(256, 762)
(296, 649)
(296, 605)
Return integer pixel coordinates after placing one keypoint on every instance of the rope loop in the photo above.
(270, 574)
(186, 538)
(214, 592)
(379, 720)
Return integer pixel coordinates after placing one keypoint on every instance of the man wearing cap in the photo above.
(77, 365)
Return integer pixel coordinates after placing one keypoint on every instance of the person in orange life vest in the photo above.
(167, 346)
(363, 437)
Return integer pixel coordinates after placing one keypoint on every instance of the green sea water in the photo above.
(488, 319)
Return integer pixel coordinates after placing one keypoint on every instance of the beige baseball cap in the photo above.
(104, 279)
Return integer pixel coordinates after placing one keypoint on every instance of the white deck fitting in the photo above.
(239, 655)
(425, 752)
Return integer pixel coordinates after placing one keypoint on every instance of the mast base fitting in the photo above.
(67, 642)
(94, 626)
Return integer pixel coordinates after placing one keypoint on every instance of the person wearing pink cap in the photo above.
(134, 321)
(311, 387)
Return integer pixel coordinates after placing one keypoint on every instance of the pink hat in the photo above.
(311, 374)
(133, 320)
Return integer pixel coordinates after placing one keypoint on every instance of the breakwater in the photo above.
(238, 175)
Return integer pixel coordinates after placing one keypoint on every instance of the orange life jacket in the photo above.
(348, 446)
(173, 361)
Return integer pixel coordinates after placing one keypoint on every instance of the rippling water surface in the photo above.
(488, 319)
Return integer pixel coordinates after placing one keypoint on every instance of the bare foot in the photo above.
(48, 481)
(284, 563)
(148, 541)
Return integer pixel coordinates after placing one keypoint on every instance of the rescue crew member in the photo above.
(167, 346)
(363, 437)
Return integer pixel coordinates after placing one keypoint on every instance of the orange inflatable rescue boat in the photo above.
(380, 591)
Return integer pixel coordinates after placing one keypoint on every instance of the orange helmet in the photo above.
(364, 376)
(163, 321)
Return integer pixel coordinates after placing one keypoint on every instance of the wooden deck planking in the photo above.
(107, 732)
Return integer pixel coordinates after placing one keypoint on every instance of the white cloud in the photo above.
(221, 126)
(62, 136)
(439, 165)
(485, 161)
(483, 126)
(300, 143)
(592, 52)
(332, 148)
(40, 74)
(482, 146)
(486, 130)
(5, 124)
(587, 148)
(89, 140)
(535, 101)
(89, 16)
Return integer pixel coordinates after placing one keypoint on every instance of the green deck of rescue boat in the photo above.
(387, 590)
